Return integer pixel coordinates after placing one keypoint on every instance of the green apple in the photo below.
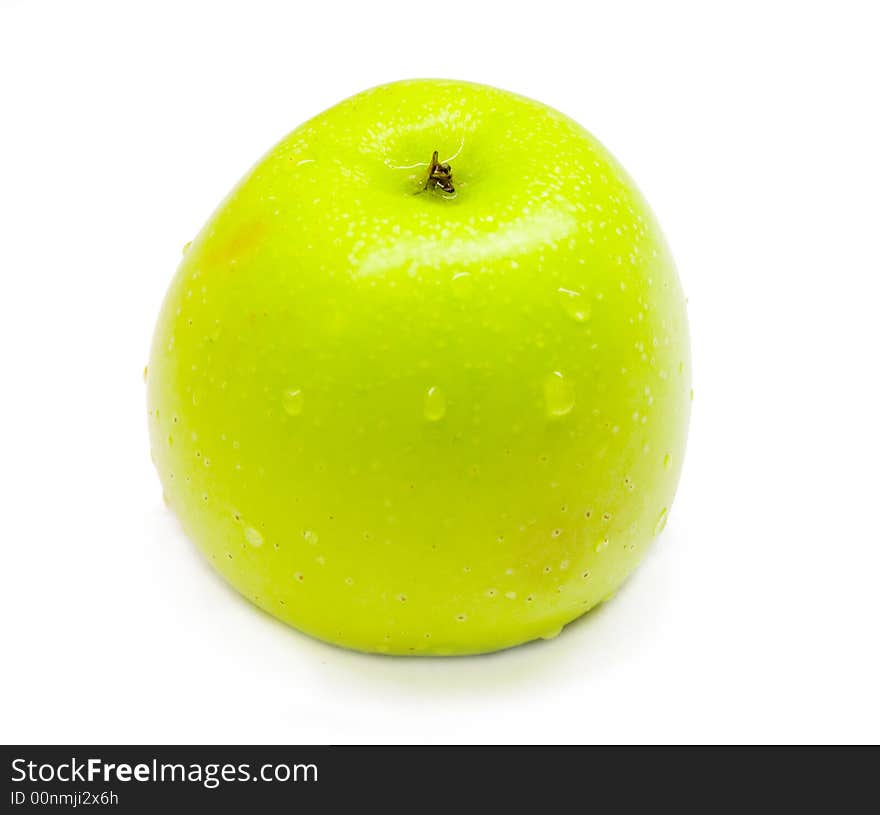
(421, 384)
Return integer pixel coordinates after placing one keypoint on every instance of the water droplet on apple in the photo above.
(661, 522)
(310, 537)
(253, 537)
(558, 394)
(462, 285)
(667, 461)
(186, 247)
(575, 304)
(602, 545)
(435, 404)
(293, 401)
(551, 634)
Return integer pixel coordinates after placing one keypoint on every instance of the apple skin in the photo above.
(410, 422)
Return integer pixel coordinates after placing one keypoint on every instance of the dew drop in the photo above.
(435, 404)
(666, 461)
(558, 394)
(462, 285)
(661, 522)
(253, 537)
(145, 374)
(293, 401)
(186, 247)
(311, 537)
(575, 304)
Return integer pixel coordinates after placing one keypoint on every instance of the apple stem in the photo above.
(439, 175)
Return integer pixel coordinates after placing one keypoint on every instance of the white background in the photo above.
(752, 128)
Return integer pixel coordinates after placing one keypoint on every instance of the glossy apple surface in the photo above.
(418, 421)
